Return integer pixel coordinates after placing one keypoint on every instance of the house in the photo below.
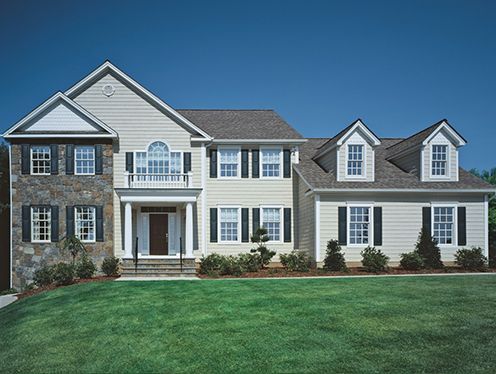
(113, 164)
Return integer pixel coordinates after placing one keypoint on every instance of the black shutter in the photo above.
(244, 225)
(213, 164)
(26, 223)
(54, 159)
(287, 225)
(377, 225)
(462, 225)
(287, 163)
(342, 225)
(69, 221)
(256, 219)
(69, 159)
(25, 159)
(213, 225)
(98, 159)
(244, 163)
(54, 212)
(426, 219)
(187, 162)
(99, 223)
(255, 163)
(129, 162)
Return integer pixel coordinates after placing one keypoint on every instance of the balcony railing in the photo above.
(135, 180)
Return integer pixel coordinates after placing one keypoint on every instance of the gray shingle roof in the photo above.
(241, 124)
(387, 175)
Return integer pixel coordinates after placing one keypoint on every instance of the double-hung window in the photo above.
(40, 160)
(355, 160)
(271, 221)
(41, 224)
(84, 158)
(85, 223)
(271, 163)
(229, 162)
(439, 160)
(443, 224)
(229, 224)
(359, 225)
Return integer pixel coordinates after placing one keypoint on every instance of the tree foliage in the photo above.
(428, 249)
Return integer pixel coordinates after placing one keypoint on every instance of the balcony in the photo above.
(173, 181)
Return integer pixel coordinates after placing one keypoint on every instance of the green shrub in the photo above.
(43, 276)
(230, 265)
(110, 266)
(211, 263)
(492, 262)
(63, 273)
(334, 260)
(250, 262)
(471, 259)
(85, 268)
(411, 261)
(373, 260)
(260, 237)
(427, 248)
(295, 261)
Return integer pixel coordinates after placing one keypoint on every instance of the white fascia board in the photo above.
(374, 140)
(444, 125)
(259, 141)
(400, 190)
(72, 135)
(107, 65)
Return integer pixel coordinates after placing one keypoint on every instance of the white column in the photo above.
(126, 179)
(128, 231)
(317, 228)
(189, 229)
(204, 199)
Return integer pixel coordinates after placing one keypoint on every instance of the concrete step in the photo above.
(153, 270)
(160, 262)
(158, 275)
(158, 266)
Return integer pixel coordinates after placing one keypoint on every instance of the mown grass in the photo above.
(374, 325)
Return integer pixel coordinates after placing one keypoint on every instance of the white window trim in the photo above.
(146, 153)
(455, 222)
(219, 236)
(32, 225)
(364, 161)
(281, 228)
(234, 147)
(75, 160)
(448, 159)
(94, 220)
(281, 162)
(31, 158)
(371, 224)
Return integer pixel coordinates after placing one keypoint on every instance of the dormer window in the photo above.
(439, 160)
(355, 160)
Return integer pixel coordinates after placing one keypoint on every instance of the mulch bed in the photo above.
(282, 273)
(38, 290)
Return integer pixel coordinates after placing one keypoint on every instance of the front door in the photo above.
(159, 234)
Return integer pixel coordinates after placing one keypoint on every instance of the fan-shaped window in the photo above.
(158, 160)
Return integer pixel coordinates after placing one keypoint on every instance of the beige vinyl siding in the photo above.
(137, 123)
(304, 207)
(249, 193)
(401, 222)
(329, 161)
(356, 138)
(409, 162)
(440, 138)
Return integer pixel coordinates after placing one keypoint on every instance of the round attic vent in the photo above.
(108, 90)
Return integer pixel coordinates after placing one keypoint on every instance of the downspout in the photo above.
(10, 211)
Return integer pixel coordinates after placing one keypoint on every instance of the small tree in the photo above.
(260, 237)
(427, 248)
(73, 246)
(334, 260)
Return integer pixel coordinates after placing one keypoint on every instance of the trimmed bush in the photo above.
(110, 266)
(250, 262)
(411, 261)
(230, 266)
(63, 274)
(427, 248)
(334, 260)
(470, 259)
(211, 263)
(373, 260)
(260, 238)
(295, 261)
(85, 268)
(43, 276)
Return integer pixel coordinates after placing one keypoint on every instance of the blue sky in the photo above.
(400, 66)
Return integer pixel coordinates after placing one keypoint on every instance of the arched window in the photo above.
(158, 160)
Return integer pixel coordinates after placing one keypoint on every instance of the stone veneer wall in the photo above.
(61, 190)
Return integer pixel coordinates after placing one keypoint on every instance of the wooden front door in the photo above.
(159, 234)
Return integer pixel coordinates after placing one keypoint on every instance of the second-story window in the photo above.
(84, 158)
(229, 162)
(439, 160)
(158, 159)
(85, 223)
(355, 160)
(40, 160)
(271, 163)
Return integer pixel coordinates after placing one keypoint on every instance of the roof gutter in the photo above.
(259, 141)
(400, 190)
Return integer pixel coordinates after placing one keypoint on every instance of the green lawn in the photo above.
(374, 325)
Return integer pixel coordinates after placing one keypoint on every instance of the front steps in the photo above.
(159, 268)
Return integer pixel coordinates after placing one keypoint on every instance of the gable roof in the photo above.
(101, 129)
(107, 67)
(259, 124)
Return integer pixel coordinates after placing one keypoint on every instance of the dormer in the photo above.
(431, 154)
(350, 155)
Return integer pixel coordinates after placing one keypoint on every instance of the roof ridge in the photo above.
(418, 132)
(227, 109)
